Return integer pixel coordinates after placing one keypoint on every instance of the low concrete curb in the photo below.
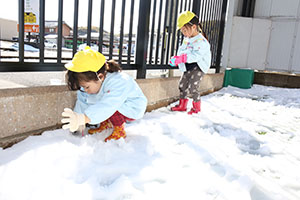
(277, 79)
(32, 110)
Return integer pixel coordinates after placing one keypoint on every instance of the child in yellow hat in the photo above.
(193, 59)
(105, 95)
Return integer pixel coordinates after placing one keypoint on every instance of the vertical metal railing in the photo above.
(196, 8)
(142, 38)
(221, 36)
(112, 26)
(21, 31)
(146, 45)
(89, 23)
(121, 32)
(152, 31)
(75, 27)
(210, 14)
(164, 34)
(59, 32)
(174, 28)
(169, 30)
(158, 34)
(129, 48)
(42, 30)
(178, 35)
(217, 28)
(100, 39)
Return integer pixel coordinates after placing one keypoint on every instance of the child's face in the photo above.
(91, 87)
(189, 31)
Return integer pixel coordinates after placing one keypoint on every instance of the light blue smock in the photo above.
(119, 92)
(197, 50)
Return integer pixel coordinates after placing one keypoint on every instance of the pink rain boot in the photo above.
(182, 105)
(196, 107)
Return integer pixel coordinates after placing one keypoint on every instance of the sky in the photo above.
(244, 144)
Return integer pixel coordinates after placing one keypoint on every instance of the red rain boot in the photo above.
(103, 126)
(196, 107)
(182, 105)
(117, 133)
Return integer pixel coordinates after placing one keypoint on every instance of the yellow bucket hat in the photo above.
(86, 60)
(184, 18)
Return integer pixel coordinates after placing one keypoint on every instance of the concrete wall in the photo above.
(32, 110)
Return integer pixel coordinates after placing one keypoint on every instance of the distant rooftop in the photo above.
(54, 24)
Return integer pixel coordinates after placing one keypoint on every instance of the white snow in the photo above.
(245, 144)
(27, 47)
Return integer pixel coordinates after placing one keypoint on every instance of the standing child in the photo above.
(193, 59)
(105, 95)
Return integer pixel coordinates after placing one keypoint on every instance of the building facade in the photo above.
(51, 27)
(8, 29)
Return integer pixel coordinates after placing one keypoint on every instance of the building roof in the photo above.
(54, 24)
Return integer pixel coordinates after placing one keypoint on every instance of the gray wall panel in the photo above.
(262, 8)
(259, 44)
(296, 54)
(286, 8)
(270, 40)
(280, 45)
(239, 43)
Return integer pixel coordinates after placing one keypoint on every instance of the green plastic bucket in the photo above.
(241, 78)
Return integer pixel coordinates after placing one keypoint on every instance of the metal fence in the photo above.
(147, 44)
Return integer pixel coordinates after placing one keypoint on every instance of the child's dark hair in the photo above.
(73, 78)
(195, 21)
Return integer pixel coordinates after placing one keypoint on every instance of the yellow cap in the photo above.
(184, 18)
(86, 60)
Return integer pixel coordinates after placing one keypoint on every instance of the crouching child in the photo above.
(105, 95)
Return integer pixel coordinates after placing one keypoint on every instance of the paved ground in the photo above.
(31, 79)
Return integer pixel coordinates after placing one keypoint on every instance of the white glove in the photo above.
(74, 120)
(81, 128)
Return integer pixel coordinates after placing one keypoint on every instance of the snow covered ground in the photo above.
(245, 144)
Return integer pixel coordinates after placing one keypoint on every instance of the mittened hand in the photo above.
(172, 61)
(175, 60)
(74, 120)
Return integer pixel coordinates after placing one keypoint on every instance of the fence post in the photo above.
(221, 36)
(60, 30)
(196, 7)
(142, 38)
(42, 30)
(21, 31)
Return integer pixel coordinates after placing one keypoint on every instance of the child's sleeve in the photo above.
(80, 104)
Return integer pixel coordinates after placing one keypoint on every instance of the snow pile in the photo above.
(243, 145)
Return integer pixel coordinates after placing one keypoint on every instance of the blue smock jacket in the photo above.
(119, 92)
(197, 50)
